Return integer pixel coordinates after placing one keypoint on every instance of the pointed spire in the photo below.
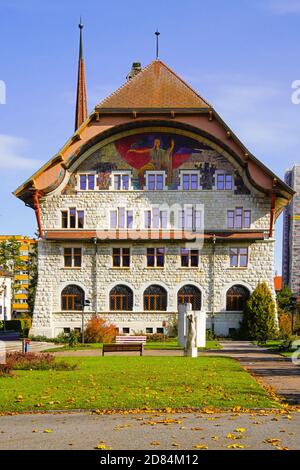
(81, 102)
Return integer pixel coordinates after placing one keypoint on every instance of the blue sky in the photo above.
(241, 56)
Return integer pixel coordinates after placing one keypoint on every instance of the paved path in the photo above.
(35, 346)
(273, 369)
(159, 431)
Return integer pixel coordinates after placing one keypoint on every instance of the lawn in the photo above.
(154, 345)
(274, 346)
(120, 382)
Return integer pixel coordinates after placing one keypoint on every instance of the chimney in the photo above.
(135, 69)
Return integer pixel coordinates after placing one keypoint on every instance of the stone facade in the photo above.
(291, 234)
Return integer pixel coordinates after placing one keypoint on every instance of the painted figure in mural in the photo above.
(160, 160)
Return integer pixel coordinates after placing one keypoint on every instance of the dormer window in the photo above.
(189, 180)
(87, 182)
(155, 180)
(72, 218)
(224, 181)
(121, 181)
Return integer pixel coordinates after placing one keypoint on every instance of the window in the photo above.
(156, 218)
(87, 182)
(149, 331)
(239, 218)
(72, 298)
(126, 331)
(120, 181)
(190, 295)
(189, 258)
(72, 257)
(155, 181)
(155, 298)
(190, 219)
(121, 298)
(236, 298)
(190, 181)
(23, 252)
(121, 257)
(72, 218)
(121, 218)
(238, 257)
(155, 257)
(67, 331)
(160, 330)
(224, 181)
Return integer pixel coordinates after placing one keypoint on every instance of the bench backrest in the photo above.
(131, 339)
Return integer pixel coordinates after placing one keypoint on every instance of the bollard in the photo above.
(27, 345)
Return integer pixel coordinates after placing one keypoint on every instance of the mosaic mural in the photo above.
(156, 152)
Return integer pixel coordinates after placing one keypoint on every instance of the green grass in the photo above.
(120, 382)
(155, 345)
(274, 345)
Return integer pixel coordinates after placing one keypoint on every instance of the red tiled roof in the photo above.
(278, 283)
(153, 235)
(156, 86)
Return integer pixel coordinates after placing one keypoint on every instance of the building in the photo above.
(152, 201)
(291, 234)
(277, 283)
(21, 276)
(5, 295)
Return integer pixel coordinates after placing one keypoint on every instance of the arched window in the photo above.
(155, 298)
(121, 298)
(236, 298)
(190, 295)
(72, 298)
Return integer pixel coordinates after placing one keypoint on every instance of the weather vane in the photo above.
(157, 34)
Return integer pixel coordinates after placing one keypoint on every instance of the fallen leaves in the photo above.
(48, 431)
(200, 446)
(235, 446)
(103, 446)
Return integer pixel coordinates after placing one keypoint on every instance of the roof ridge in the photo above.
(129, 82)
(140, 75)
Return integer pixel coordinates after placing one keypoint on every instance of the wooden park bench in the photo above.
(126, 343)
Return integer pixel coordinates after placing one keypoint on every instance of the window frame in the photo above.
(68, 218)
(127, 212)
(236, 218)
(120, 173)
(86, 174)
(155, 174)
(189, 173)
(155, 256)
(121, 257)
(72, 256)
(225, 175)
(149, 218)
(238, 256)
(189, 257)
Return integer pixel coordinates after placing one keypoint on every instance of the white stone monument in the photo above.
(191, 329)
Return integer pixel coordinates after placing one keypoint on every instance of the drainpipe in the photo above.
(272, 214)
(96, 277)
(37, 212)
(213, 285)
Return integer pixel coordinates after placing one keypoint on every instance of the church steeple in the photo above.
(81, 101)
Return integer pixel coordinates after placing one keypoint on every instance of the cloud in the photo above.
(284, 7)
(12, 154)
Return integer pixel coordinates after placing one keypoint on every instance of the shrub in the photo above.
(210, 336)
(5, 370)
(73, 338)
(1, 324)
(98, 331)
(158, 338)
(22, 325)
(259, 316)
(285, 323)
(36, 361)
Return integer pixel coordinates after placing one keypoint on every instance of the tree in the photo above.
(98, 331)
(259, 321)
(10, 259)
(285, 299)
(33, 276)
